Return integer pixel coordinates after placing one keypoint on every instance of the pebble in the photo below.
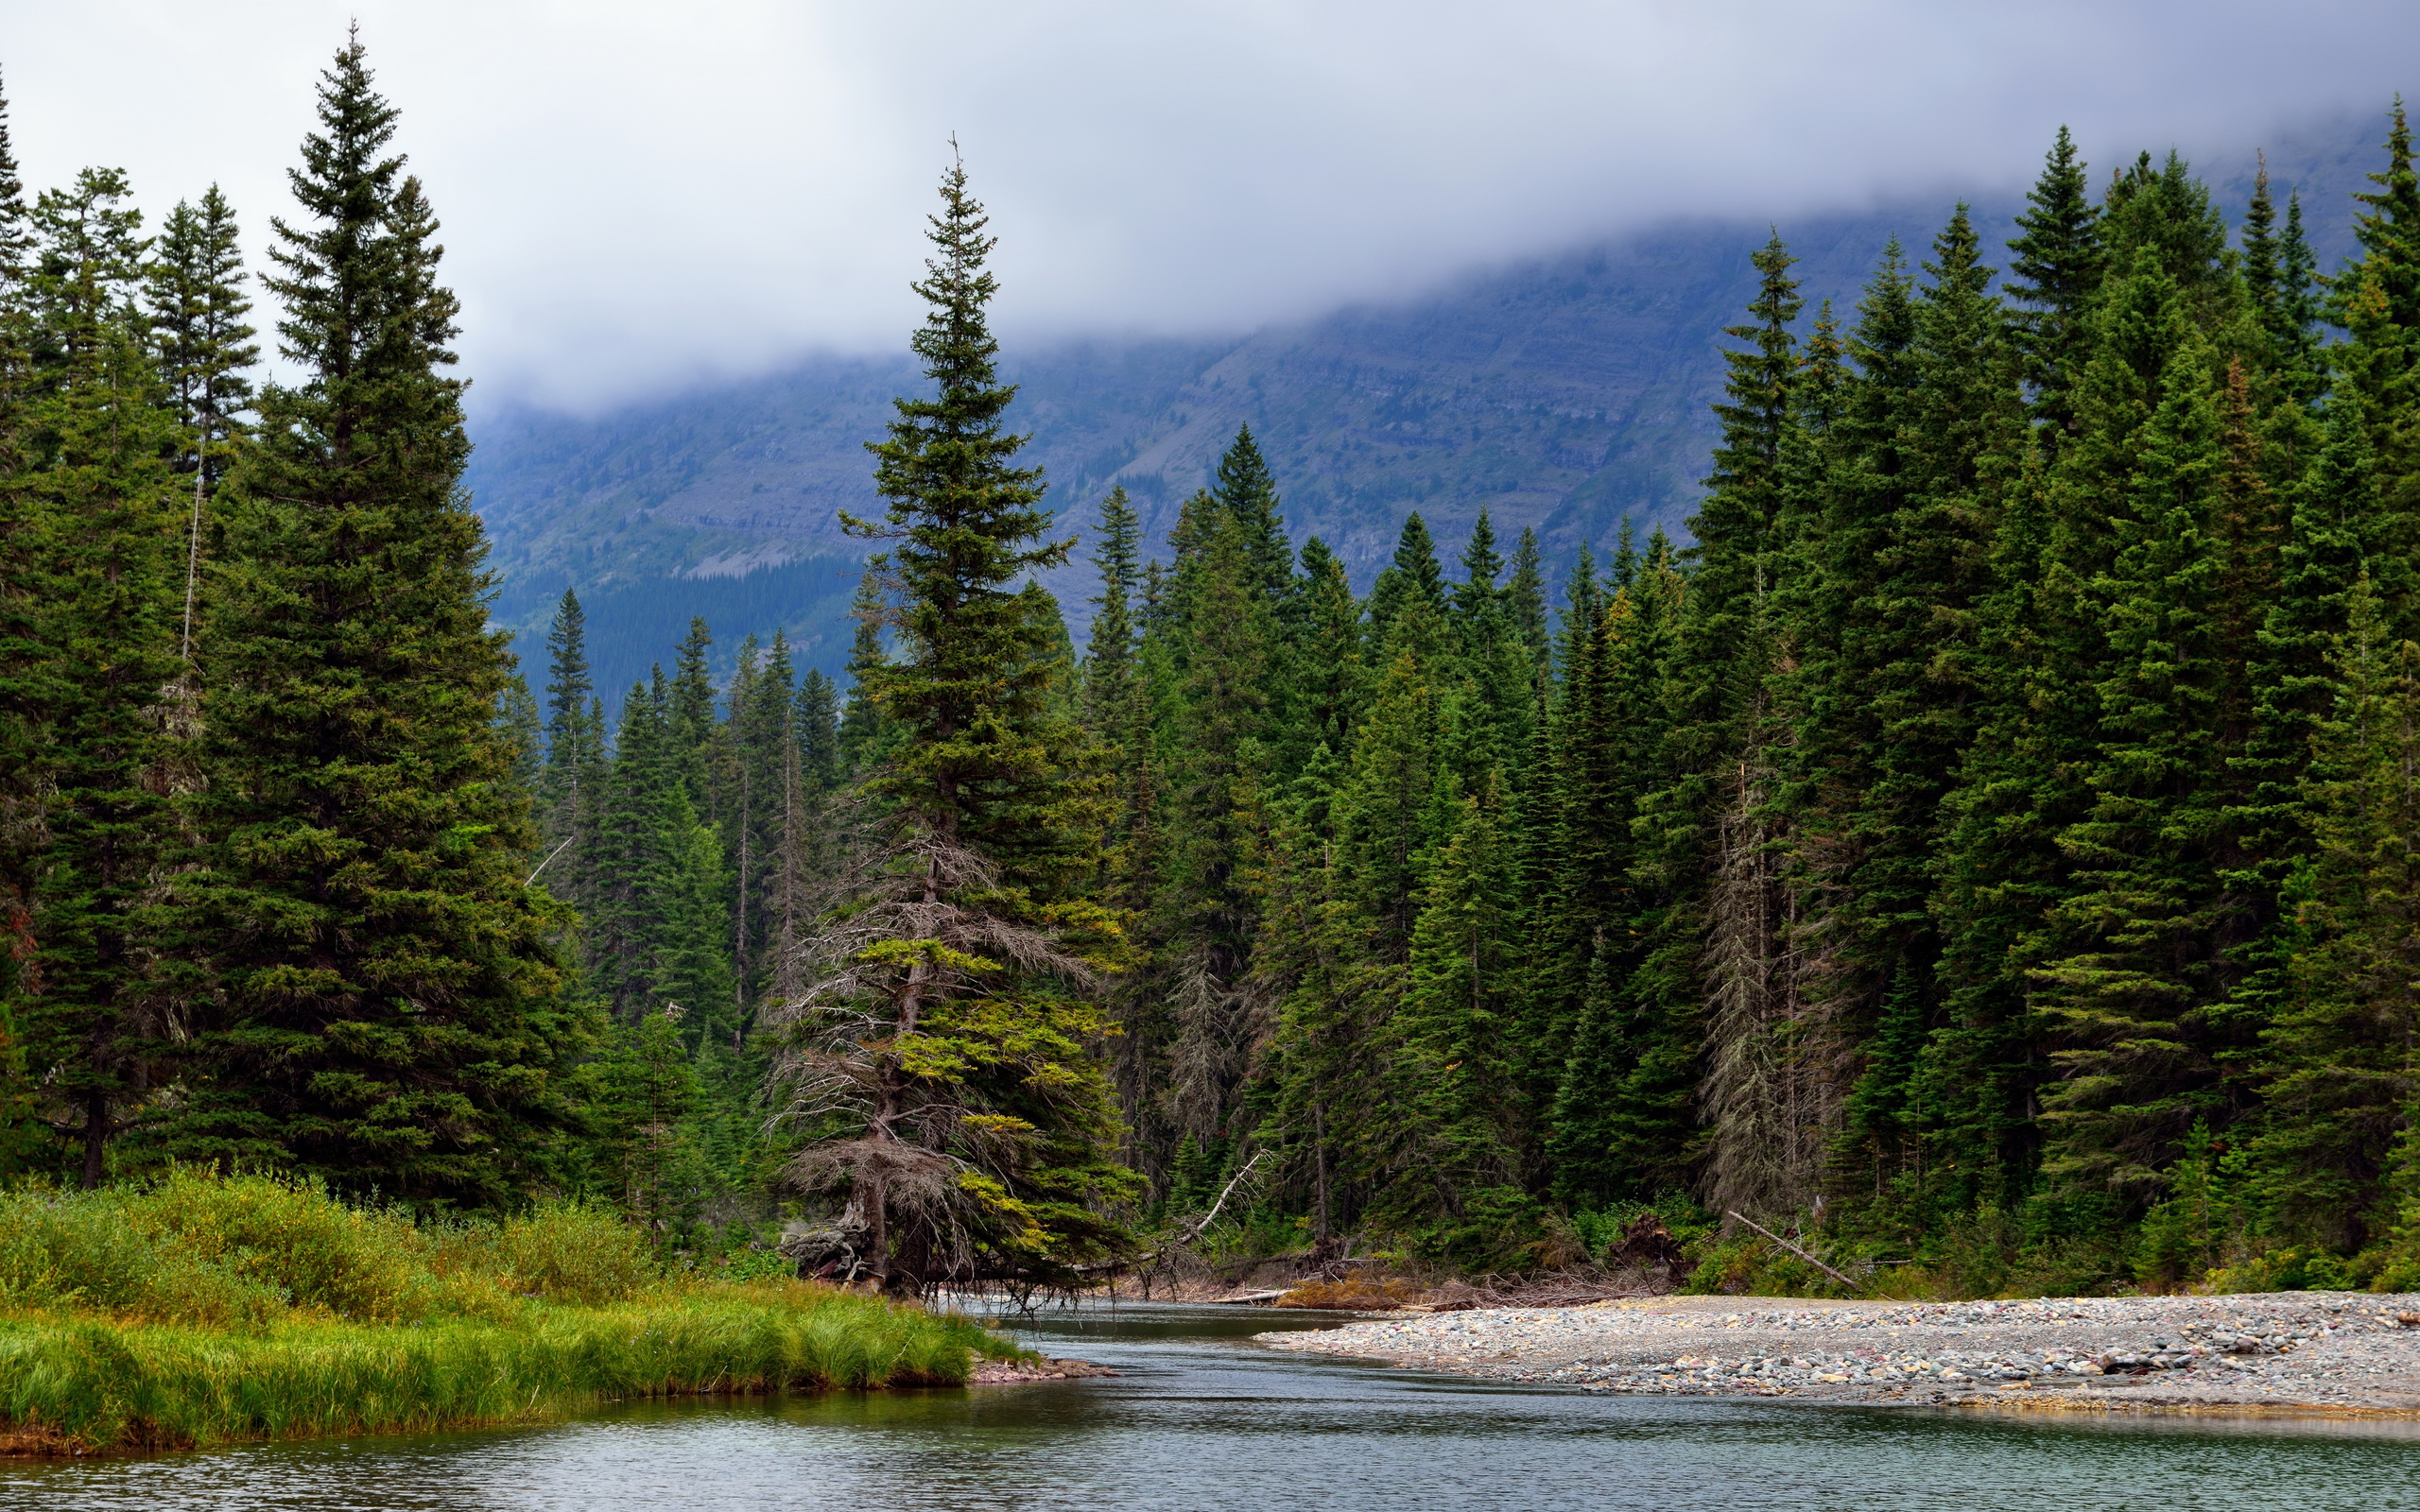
(2338, 1350)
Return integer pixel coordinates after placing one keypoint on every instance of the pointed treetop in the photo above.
(16, 242)
(1525, 593)
(2389, 229)
(1248, 491)
(1481, 566)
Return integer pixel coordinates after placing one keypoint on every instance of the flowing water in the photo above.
(1204, 1420)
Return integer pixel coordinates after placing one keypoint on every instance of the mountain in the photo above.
(1563, 393)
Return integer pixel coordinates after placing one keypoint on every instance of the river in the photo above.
(1204, 1420)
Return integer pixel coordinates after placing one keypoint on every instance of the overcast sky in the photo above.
(639, 195)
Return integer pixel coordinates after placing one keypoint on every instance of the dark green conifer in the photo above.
(943, 1041)
(388, 1000)
(2056, 262)
(100, 504)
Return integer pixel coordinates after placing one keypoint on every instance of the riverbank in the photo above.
(2322, 1352)
(78, 1385)
(202, 1309)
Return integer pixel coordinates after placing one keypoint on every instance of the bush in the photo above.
(2293, 1268)
(317, 1253)
(572, 1252)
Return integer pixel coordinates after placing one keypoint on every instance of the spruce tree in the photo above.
(1705, 849)
(1249, 492)
(1524, 598)
(20, 642)
(944, 1039)
(1109, 659)
(2135, 1001)
(818, 733)
(1203, 919)
(1413, 578)
(2339, 1084)
(1451, 1050)
(574, 746)
(2377, 375)
(387, 1014)
(2055, 267)
(1330, 651)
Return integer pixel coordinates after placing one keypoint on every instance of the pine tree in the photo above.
(351, 688)
(945, 1021)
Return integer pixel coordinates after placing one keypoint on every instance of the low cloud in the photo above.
(638, 197)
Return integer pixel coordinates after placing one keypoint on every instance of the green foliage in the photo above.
(1980, 850)
(77, 1384)
(384, 1004)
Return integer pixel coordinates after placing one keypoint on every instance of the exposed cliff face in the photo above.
(1562, 393)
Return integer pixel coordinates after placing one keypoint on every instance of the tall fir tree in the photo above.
(387, 1003)
(943, 1039)
(94, 1008)
(2056, 262)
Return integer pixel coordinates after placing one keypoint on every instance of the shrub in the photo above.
(573, 1252)
(317, 1252)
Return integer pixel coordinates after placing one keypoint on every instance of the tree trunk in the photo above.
(96, 1135)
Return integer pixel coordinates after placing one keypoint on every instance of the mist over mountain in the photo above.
(1563, 393)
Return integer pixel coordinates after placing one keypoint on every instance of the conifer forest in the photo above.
(1989, 840)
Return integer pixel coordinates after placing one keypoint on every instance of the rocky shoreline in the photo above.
(1007, 1372)
(2331, 1353)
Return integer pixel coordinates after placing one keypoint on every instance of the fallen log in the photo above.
(1785, 1244)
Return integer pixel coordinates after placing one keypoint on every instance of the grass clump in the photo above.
(200, 1309)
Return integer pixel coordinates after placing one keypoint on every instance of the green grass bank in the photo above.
(200, 1310)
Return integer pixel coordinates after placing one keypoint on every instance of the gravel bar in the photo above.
(2337, 1353)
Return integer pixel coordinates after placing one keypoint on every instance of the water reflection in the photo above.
(1206, 1421)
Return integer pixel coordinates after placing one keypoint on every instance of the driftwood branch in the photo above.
(1195, 1232)
(1800, 1253)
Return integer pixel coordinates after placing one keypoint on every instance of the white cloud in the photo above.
(640, 195)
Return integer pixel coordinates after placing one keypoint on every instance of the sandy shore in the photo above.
(2330, 1352)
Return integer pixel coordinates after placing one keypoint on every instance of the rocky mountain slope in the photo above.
(1563, 393)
